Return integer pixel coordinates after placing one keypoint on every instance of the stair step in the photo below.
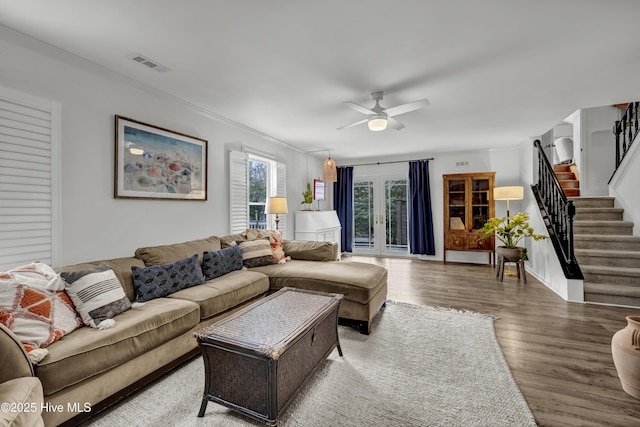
(571, 192)
(614, 275)
(562, 168)
(606, 241)
(569, 183)
(605, 293)
(599, 214)
(565, 175)
(593, 202)
(603, 227)
(613, 258)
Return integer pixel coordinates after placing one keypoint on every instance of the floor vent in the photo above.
(141, 59)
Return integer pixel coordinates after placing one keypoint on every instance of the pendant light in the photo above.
(330, 174)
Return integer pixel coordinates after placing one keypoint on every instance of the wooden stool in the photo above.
(519, 268)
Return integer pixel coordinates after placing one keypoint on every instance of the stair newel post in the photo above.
(616, 132)
(635, 120)
(571, 211)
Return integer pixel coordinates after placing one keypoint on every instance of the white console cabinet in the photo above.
(321, 226)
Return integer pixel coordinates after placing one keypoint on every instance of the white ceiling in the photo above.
(496, 71)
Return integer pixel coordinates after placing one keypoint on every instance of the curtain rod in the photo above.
(385, 163)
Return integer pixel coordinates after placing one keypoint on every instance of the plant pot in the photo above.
(625, 349)
(509, 254)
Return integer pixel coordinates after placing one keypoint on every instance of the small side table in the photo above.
(502, 260)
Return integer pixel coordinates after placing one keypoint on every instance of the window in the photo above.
(253, 179)
(258, 189)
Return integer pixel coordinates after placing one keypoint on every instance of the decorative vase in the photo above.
(625, 349)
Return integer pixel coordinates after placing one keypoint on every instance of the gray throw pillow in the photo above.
(219, 263)
(161, 280)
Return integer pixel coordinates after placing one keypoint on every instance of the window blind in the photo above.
(28, 180)
(238, 192)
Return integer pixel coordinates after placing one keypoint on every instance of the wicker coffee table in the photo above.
(257, 359)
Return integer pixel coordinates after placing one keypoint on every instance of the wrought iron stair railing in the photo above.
(626, 129)
(557, 212)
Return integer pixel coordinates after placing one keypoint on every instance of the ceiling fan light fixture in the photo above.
(378, 122)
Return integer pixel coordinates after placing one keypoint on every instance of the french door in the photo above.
(380, 215)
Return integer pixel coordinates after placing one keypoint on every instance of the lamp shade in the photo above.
(276, 205)
(508, 193)
(329, 172)
(377, 123)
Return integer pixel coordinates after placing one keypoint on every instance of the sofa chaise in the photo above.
(93, 368)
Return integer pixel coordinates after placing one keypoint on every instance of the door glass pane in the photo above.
(363, 215)
(479, 202)
(456, 204)
(396, 215)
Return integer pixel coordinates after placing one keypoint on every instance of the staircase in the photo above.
(608, 253)
(568, 178)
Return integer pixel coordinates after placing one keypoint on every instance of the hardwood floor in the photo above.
(559, 352)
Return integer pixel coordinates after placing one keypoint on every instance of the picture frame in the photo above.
(156, 163)
(319, 190)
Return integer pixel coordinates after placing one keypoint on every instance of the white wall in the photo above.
(94, 224)
(624, 187)
(597, 149)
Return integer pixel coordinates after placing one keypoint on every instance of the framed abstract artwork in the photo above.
(157, 163)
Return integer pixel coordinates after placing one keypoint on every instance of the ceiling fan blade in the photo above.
(359, 108)
(394, 123)
(406, 108)
(359, 122)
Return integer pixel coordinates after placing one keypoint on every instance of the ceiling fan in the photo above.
(379, 117)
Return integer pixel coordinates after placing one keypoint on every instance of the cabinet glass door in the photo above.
(457, 207)
(479, 202)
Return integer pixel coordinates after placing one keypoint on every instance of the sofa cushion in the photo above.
(160, 280)
(96, 293)
(310, 250)
(219, 263)
(34, 306)
(256, 252)
(25, 397)
(88, 352)
(225, 292)
(357, 281)
(158, 255)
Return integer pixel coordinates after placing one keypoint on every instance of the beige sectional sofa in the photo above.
(92, 368)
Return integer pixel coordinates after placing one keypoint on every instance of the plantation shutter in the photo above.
(29, 166)
(238, 192)
(281, 190)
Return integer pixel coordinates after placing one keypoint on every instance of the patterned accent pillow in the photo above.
(161, 280)
(275, 239)
(219, 263)
(256, 253)
(97, 294)
(34, 306)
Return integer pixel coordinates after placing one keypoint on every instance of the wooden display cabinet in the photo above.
(468, 204)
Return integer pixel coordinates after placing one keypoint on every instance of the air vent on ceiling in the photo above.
(141, 59)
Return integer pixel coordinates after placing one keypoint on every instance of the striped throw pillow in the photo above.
(97, 295)
(256, 253)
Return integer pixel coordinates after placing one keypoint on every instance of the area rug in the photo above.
(421, 366)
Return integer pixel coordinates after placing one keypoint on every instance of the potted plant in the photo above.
(510, 230)
(307, 197)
